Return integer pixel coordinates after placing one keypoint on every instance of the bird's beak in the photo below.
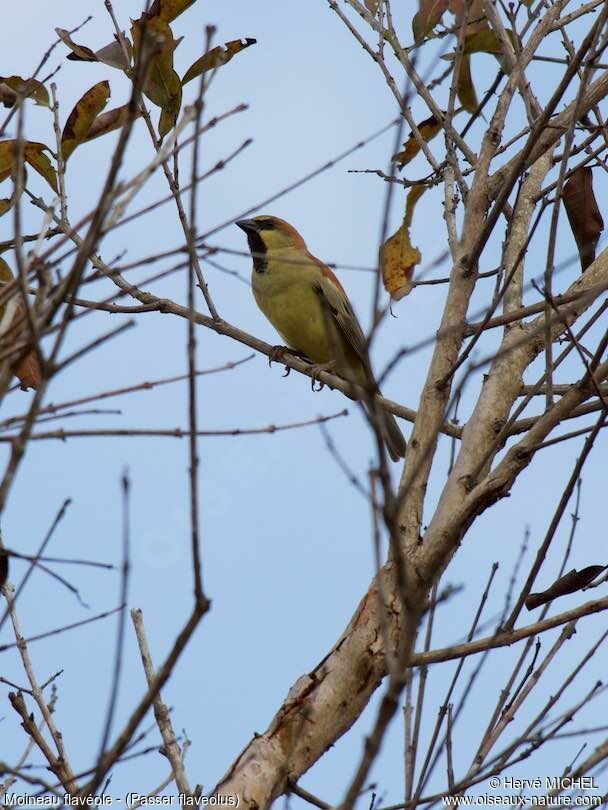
(247, 225)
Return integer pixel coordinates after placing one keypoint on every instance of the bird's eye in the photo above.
(265, 224)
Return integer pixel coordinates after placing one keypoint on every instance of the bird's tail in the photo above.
(392, 435)
(391, 432)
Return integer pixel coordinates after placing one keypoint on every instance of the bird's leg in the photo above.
(316, 369)
(277, 355)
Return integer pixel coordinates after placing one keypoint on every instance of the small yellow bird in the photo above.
(309, 308)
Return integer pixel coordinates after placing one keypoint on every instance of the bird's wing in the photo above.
(338, 307)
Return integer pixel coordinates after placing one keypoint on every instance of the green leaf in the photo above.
(486, 41)
(170, 111)
(217, 56)
(465, 87)
(429, 14)
(163, 86)
(82, 116)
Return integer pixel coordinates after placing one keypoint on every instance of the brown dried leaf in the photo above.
(428, 128)
(29, 88)
(6, 275)
(465, 88)
(476, 17)
(80, 53)
(82, 116)
(397, 255)
(28, 370)
(217, 56)
(109, 121)
(570, 583)
(429, 14)
(457, 8)
(6, 203)
(110, 54)
(583, 213)
(8, 97)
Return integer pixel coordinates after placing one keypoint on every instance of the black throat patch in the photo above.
(258, 252)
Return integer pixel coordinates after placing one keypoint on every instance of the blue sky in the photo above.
(286, 539)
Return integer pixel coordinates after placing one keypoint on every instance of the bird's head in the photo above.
(266, 234)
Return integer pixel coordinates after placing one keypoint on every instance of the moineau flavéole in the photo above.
(183, 799)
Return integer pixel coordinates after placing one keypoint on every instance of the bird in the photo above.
(304, 301)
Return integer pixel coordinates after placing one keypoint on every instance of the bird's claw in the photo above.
(316, 369)
(277, 355)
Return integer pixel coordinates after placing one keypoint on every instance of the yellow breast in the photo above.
(285, 294)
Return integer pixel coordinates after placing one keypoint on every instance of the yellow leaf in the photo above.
(168, 10)
(82, 116)
(11, 330)
(33, 153)
(7, 149)
(465, 88)
(397, 255)
(217, 56)
(428, 128)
